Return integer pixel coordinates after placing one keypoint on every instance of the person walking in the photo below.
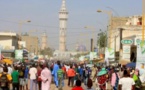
(39, 70)
(71, 74)
(126, 83)
(64, 69)
(54, 72)
(93, 73)
(46, 78)
(77, 74)
(21, 77)
(33, 77)
(78, 86)
(15, 79)
(89, 85)
(26, 76)
(60, 74)
(81, 70)
(138, 83)
(5, 79)
(10, 70)
(115, 79)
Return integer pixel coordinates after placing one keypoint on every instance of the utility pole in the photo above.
(121, 30)
(92, 49)
(143, 18)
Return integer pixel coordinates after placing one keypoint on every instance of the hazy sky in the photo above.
(44, 17)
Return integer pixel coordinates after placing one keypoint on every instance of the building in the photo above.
(127, 28)
(8, 43)
(131, 26)
(63, 16)
(32, 43)
(44, 41)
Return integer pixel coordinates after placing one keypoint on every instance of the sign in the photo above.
(126, 49)
(22, 44)
(109, 54)
(126, 52)
(127, 41)
(82, 58)
(19, 54)
(93, 55)
(140, 64)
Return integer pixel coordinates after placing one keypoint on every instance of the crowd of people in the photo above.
(42, 75)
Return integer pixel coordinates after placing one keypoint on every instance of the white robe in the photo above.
(46, 74)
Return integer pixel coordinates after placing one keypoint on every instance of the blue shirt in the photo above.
(26, 73)
(81, 71)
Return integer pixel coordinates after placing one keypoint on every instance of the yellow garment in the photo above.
(8, 76)
(8, 61)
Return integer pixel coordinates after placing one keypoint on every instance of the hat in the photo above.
(102, 72)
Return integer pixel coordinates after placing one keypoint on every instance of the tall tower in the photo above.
(63, 16)
(44, 41)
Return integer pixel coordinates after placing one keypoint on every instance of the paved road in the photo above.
(64, 88)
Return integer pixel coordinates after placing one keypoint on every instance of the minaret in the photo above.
(63, 16)
(44, 41)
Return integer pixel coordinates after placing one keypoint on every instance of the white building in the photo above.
(63, 16)
(8, 43)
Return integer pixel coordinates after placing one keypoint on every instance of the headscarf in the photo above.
(136, 72)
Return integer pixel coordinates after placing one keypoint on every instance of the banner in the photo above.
(126, 52)
(140, 63)
(19, 54)
(109, 54)
(93, 55)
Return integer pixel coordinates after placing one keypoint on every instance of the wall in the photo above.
(6, 42)
(31, 43)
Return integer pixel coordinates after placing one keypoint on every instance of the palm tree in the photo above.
(102, 40)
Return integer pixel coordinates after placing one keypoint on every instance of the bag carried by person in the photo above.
(117, 81)
(3, 80)
(21, 73)
(138, 83)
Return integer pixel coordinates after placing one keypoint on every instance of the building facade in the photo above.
(131, 26)
(32, 43)
(8, 43)
(44, 41)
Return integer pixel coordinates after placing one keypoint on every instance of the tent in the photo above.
(132, 64)
(8, 61)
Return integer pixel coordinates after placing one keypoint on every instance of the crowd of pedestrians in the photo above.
(42, 75)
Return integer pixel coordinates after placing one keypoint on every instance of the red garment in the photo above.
(102, 82)
(39, 73)
(64, 69)
(77, 88)
(71, 73)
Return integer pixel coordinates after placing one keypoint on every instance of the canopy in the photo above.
(8, 61)
(132, 64)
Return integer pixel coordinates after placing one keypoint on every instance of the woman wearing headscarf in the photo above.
(136, 79)
(102, 78)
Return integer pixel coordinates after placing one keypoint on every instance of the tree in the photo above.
(47, 51)
(102, 40)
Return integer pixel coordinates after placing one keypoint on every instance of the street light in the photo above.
(20, 25)
(109, 13)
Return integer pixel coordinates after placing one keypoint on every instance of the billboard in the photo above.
(93, 55)
(126, 52)
(140, 63)
(19, 54)
(109, 54)
(22, 44)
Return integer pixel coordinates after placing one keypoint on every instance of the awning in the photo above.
(124, 62)
(8, 61)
